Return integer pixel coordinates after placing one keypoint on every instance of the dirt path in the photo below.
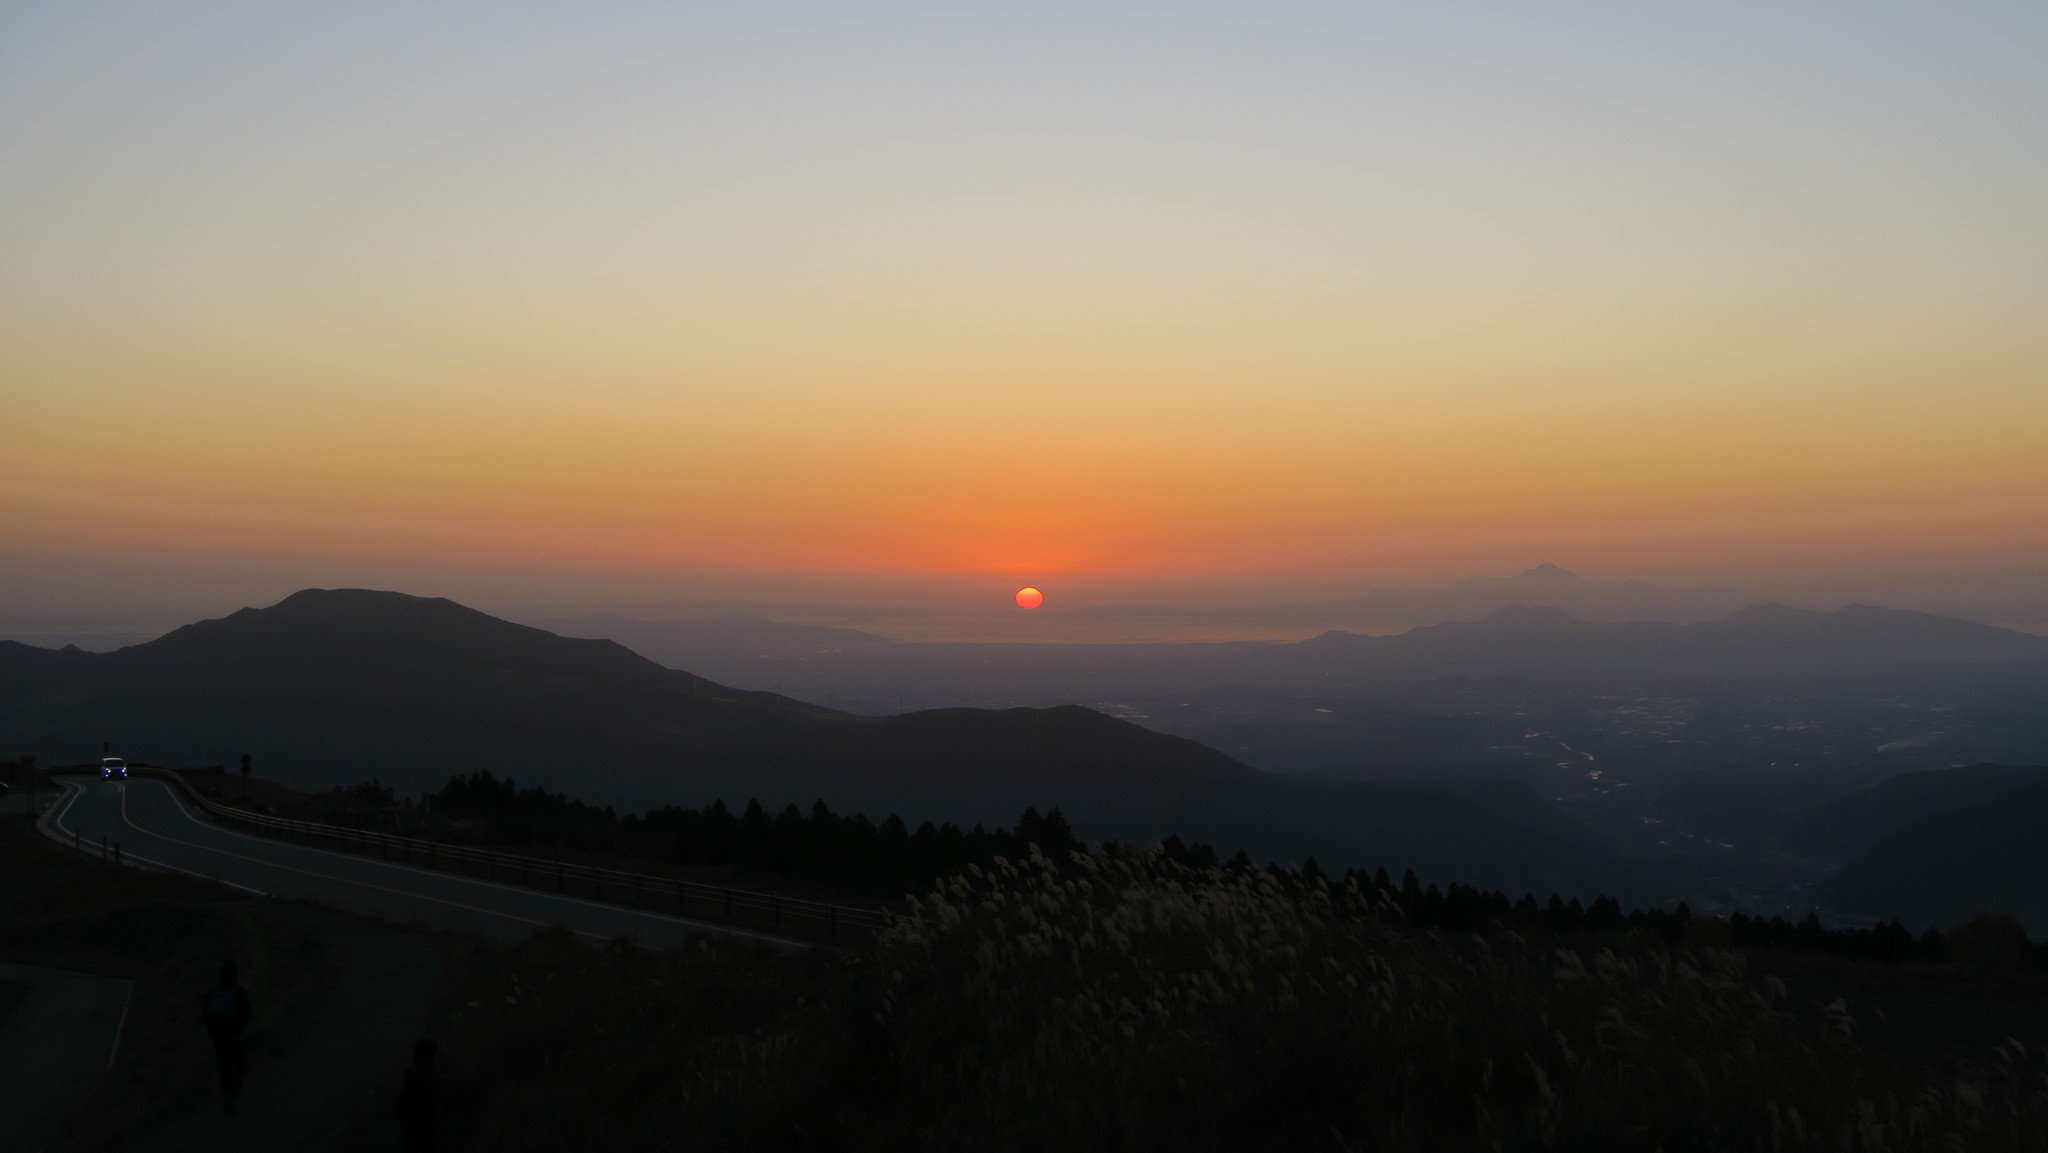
(341, 1053)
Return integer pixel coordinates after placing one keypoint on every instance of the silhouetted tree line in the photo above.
(842, 850)
(1460, 908)
(825, 844)
(1890, 941)
(819, 845)
(370, 792)
(482, 795)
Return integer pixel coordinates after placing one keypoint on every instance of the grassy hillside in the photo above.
(1150, 1006)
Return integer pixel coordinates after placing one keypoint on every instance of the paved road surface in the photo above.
(153, 826)
(54, 1048)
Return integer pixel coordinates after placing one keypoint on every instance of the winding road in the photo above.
(154, 827)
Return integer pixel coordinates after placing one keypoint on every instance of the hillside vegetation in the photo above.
(1130, 1001)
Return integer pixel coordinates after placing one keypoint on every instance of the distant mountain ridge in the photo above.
(1756, 640)
(1546, 585)
(334, 686)
(1756, 644)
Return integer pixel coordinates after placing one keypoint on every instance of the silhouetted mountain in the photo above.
(1550, 586)
(1859, 820)
(335, 686)
(1946, 866)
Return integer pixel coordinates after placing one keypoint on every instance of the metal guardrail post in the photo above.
(103, 846)
(778, 912)
(117, 852)
(728, 904)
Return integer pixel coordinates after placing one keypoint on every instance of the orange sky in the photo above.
(1355, 296)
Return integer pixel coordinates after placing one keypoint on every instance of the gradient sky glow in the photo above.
(1027, 291)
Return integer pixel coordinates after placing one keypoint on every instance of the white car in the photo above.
(113, 769)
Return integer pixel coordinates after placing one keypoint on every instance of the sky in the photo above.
(654, 303)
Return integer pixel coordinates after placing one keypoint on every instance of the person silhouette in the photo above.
(418, 1099)
(225, 1011)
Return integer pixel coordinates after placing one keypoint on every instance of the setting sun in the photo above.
(1029, 598)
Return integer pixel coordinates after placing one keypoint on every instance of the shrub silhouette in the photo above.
(837, 850)
(1993, 940)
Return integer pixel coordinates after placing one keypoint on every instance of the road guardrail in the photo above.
(694, 899)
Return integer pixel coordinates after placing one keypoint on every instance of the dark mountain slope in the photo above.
(332, 686)
(1859, 820)
(1944, 867)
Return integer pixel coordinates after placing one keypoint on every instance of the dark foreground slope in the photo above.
(1861, 819)
(1948, 866)
(335, 686)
